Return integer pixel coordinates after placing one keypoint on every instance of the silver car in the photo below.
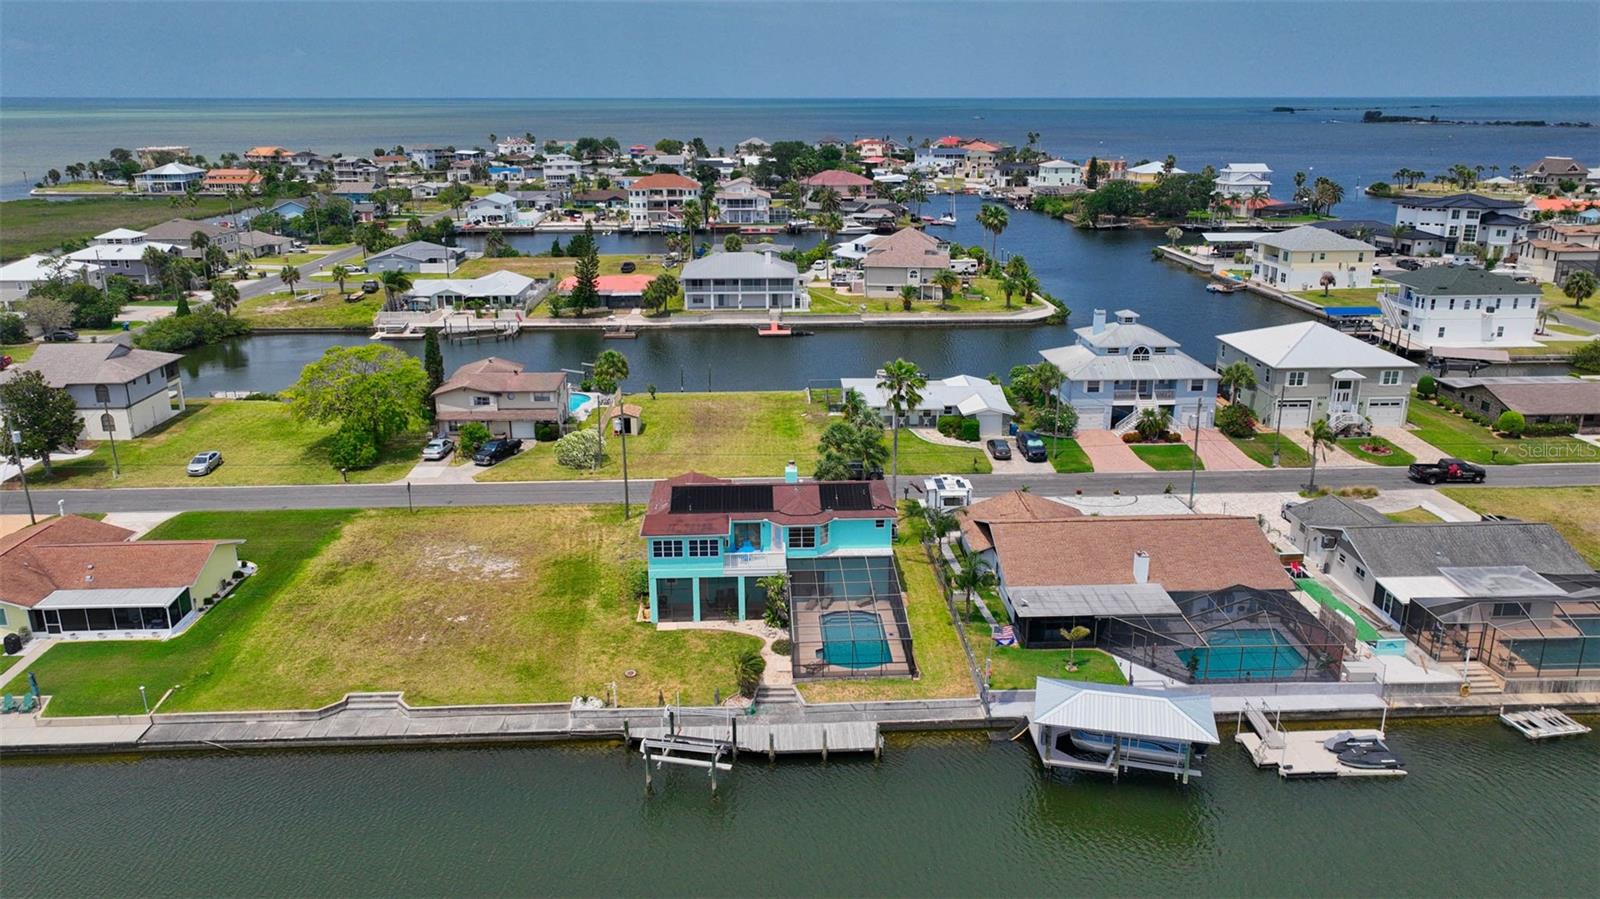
(204, 463)
(438, 448)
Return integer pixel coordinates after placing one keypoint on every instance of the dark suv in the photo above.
(496, 450)
(1031, 446)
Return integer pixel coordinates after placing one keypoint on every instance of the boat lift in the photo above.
(675, 748)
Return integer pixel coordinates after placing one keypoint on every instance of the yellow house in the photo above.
(1298, 258)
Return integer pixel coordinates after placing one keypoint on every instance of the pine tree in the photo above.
(433, 362)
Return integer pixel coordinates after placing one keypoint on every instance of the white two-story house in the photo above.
(1298, 258)
(1057, 175)
(1243, 179)
(1456, 306)
(1118, 368)
(1308, 371)
(1464, 218)
(741, 202)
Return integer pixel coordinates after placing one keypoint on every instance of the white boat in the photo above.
(947, 219)
(856, 228)
(1157, 751)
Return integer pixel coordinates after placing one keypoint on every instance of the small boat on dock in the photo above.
(1224, 287)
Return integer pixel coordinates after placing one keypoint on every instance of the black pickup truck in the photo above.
(1446, 470)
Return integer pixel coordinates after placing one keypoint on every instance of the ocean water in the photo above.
(1325, 139)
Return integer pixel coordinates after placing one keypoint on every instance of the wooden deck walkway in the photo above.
(801, 738)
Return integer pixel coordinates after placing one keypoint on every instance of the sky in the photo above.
(776, 48)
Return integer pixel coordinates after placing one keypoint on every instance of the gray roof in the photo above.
(112, 362)
(1129, 711)
(418, 249)
(1461, 281)
(739, 265)
(1079, 363)
(1312, 239)
(182, 229)
(1124, 334)
(1336, 511)
(1091, 601)
(1459, 201)
(1410, 550)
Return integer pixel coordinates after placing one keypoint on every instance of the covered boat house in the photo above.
(1110, 729)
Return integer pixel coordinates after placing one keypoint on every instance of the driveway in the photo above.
(1217, 453)
(1411, 443)
(1107, 452)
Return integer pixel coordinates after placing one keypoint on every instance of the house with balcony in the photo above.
(560, 171)
(943, 155)
(1459, 218)
(119, 391)
(1554, 250)
(1308, 371)
(1549, 172)
(743, 203)
(228, 180)
(743, 281)
(1298, 258)
(1243, 179)
(120, 251)
(656, 201)
(1057, 176)
(1119, 368)
(511, 402)
(491, 210)
(172, 178)
(1456, 306)
(907, 257)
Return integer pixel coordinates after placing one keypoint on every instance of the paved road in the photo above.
(560, 492)
(271, 282)
(1575, 321)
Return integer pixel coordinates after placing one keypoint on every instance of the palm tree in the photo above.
(1322, 438)
(691, 219)
(290, 275)
(1153, 422)
(1237, 376)
(857, 411)
(394, 283)
(972, 575)
(340, 273)
(830, 223)
(909, 293)
(902, 381)
(994, 220)
(1174, 234)
(1579, 286)
(224, 296)
(1543, 318)
(948, 283)
(1327, 280)
(1048, 378)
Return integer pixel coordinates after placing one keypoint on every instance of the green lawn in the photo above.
(259, 441)
(35, 225)
(1364, 629)
(1346, 296)
(1356, 446)
(7, 661)
(19, 352)
(310, 309)
(1016, 668)
(1572, 511)
(448, 605)
(1259, 447)
(726, 434)
(561, 267)
(984, 295)
(1557, 301)
(1458, 437)
(1167, 456)
(1413, 515)
(1066, 456)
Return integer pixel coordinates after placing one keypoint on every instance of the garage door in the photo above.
(1386, 413)
(1294, 413)
(523, 429)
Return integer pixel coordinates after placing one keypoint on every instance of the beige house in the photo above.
(907, 256)
(498, 393)
(120, 391)
(1298, 258)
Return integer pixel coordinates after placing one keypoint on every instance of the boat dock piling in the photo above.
(1542, 724)
(1300, 753)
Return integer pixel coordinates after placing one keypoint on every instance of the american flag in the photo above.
(1004, 635)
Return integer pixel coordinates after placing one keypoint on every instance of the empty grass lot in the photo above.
(260, 444)
(1355, 446)
(725, 434)
(310, 309)
(485, 605)
(1572, 511)
(35, 225)
(984, 295)
(1458, 437)
(1348, 296)
(1260, 446)
(1066, 456)
(1167, 456)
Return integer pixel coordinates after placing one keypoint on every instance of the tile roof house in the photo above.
(1541, 399)
(68, 576)
(119, 390)
(1308, 371)
(223, 180)
(616, 291)
(1120, 367)
(907, 257)
(845, 184)
(500, 394)
(960, 395)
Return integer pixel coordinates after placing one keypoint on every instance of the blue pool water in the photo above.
(1244, 654)
(854, 640)
(575, 401)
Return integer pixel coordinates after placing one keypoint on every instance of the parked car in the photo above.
(204, 463)
(858, 472)
(497, 450)
(820, 266)
(1446, 470)
(1409, 265)
(628, 267)
(438, 448)
(369, 286)
(1490, 516)
(1031, 445)
(1000, 449)
(62, 335)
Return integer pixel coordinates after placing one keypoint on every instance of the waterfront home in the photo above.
(117, 389)
(1459, 218)
(308, 165)
(515, 146)
(120, 251)
(498, 393)
(977, 520)
(1298, 258)
(752, 145)
(907, 257)
(1109, 729)
(19, 278)
(1549, 172)
(743, 281)
(1119, 368)
(181, 232)
(355, 191)
(1308, 371)
(417, 257)
(1539, 399)
(964, 396)
(559, 171)
(492, 209)
(980, 160)
(172, 178)
(1553, 250)
(358, 169)
(868, 147)
(427, 156)
(496, 290)
(942, 155)
(845, 184)
(711, 541)
(671, 163)
(656, 201)
(853, 250)
(392, 163)
(69, 576)
(1056, 174)
(539, 200)
(1243, 179)
(267, 155)
(225, 180)
(616, 291)
(289, 209)
(1150, 173)
(606, 198)
(1457, 306)
(741, 202)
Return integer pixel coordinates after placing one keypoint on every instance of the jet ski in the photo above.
(1346, 740)
(1379, 756)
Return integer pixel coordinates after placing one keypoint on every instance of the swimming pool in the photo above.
(1259, 653)
(854, 640)
(579, 404)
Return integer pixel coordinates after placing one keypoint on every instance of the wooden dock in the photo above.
(1543, 724)
(775, 739)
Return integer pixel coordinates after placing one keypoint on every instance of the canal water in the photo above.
(1086, 270)
(1483, 813)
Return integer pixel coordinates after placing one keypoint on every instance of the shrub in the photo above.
(1511, 423)
(949, 425)
(748, 666)
(1131, 437)
(545, 432)
(578, 449)
(969, 429)
(473, 435)
(353, 449)
(1236, 420)
(638, 580)
(1427, 386)
(1586, 360)
(1550, 429)
(12, 330)
(177, 333)
(782, 647)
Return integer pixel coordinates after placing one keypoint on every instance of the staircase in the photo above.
(1127, 422)
(777, 700)
(1482, 681)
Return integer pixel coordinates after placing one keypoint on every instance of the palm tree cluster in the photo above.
(855, 443)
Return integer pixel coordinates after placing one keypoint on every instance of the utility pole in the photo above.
(1194, 463)
(621, 428)
(1277, 434)
(16, 452)
(111, 435)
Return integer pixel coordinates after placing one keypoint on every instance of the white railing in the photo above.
(769, 560)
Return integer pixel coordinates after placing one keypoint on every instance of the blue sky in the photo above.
(818, 48)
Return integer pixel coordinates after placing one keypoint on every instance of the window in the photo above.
(802, 538)
(480, 401)
(1091, 387)
(1116, 350)
(1341, 558)
(700, 548)
(1390, 377)
(1452, 303)
(1141, 354)
(666, 549)
(876, 523)
(1506, 610)
(107, 423)
(1197, 385)
(1361, 573)
(1297, 379)
(1441, 332)
(102, 393)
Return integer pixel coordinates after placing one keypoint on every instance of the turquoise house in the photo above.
(709, 541)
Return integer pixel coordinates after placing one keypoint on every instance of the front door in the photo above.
(1343, 392)
(52, 621)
